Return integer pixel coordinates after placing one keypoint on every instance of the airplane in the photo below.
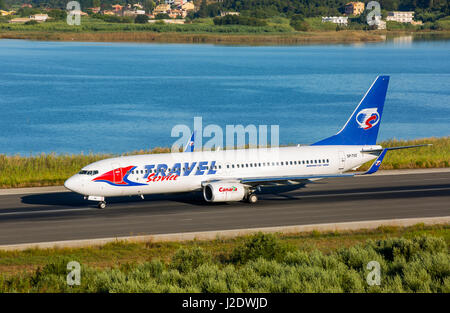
(238, 174)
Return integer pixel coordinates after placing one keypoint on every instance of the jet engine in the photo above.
(223, 192)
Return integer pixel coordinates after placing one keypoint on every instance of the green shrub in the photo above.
(31, 22)
(261, 245)
(261, 264)
(162, 16)
(141, 19)
(186, 260)
(239, 20)
(298, 23)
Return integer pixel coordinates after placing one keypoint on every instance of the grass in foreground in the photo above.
(53, 170)
(315, 262)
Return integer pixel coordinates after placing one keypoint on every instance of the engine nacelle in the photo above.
(222, 192)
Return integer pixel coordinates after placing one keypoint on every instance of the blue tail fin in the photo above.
(362, 126)
(190, 145)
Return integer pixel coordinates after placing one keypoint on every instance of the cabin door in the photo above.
(117, 173)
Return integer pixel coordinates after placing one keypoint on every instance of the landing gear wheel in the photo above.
(252, 198)
(101, 205)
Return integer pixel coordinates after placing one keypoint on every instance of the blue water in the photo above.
(102, 97)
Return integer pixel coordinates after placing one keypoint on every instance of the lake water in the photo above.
(68, 97)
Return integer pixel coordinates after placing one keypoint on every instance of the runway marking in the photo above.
(300, 196)
(368, 193)
(46, 211)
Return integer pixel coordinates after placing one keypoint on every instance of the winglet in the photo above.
(376, 165)
(190, 144)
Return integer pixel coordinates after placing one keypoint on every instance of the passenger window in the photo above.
(319, 161)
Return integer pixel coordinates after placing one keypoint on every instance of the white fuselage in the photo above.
(182, 172)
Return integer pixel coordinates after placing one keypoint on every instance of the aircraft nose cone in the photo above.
(71, 184)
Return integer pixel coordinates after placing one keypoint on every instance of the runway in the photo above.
(55, 216)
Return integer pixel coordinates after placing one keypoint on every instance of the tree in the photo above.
(298, 23)
(57, 15)
(162, 16)
(141, 19)
(2, 5)
(149, 5)
(203, 10)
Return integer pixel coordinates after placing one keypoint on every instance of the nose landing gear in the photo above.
(252, 198)
(101, 204)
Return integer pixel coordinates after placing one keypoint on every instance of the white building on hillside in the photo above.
(341, 20)
(39, 17)
(401, 17)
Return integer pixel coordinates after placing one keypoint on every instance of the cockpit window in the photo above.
(91, 173)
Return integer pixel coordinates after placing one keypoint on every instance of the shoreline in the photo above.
(205, 38)
(298, 38)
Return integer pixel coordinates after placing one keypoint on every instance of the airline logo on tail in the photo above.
(367, 118)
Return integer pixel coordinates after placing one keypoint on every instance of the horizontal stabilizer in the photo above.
(394, 148)
(376, 165)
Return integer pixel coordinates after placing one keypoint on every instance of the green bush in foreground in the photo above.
(421, 264)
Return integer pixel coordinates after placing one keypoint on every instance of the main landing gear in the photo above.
(101, 205)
